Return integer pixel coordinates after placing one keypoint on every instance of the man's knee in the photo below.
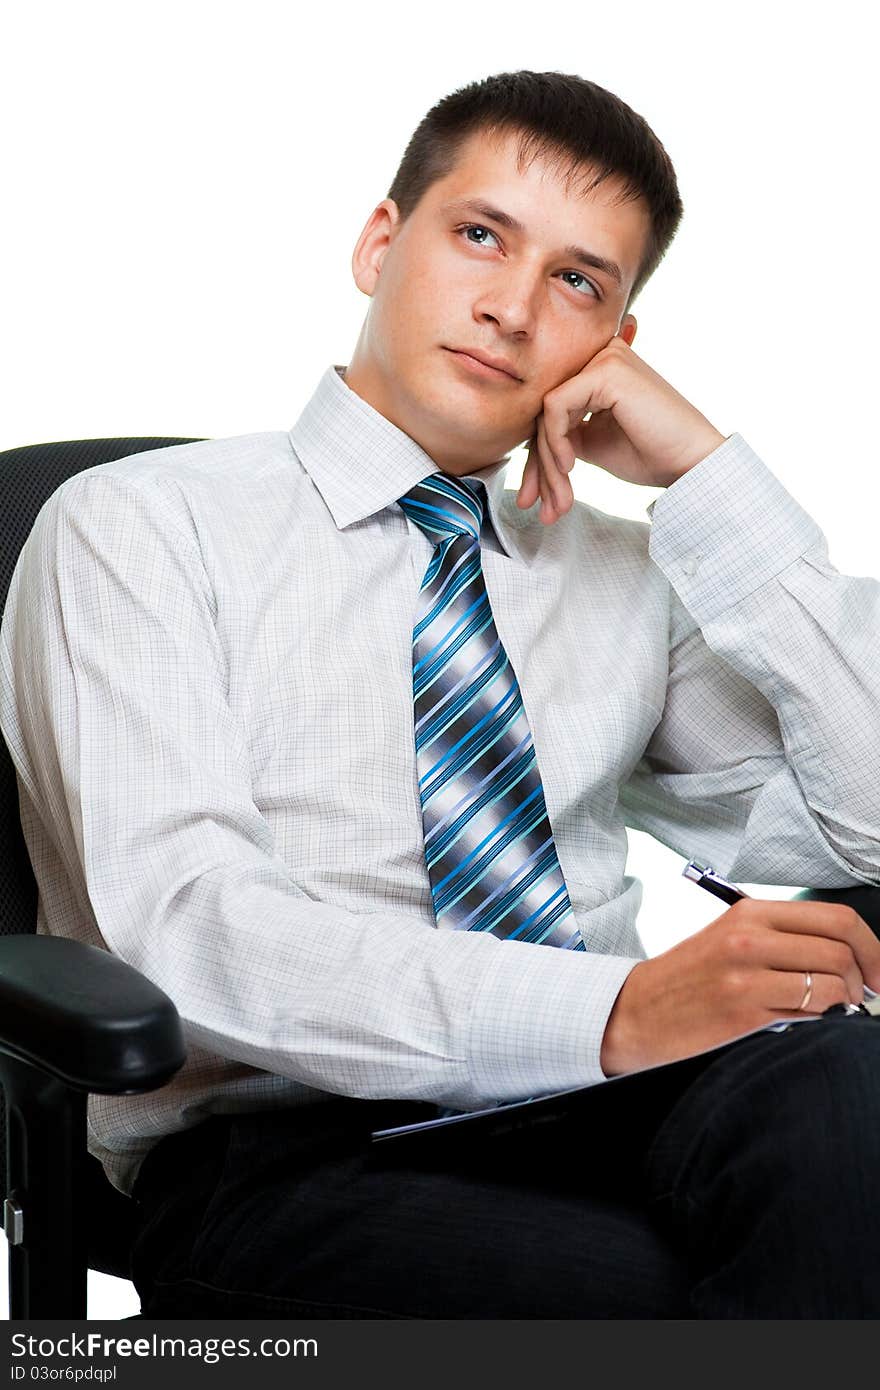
(801, 1107)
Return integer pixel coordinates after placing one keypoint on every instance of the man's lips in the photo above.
(485, 365)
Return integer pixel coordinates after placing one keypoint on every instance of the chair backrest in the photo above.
(28, 477)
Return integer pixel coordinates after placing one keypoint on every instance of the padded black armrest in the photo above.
(86, 1017)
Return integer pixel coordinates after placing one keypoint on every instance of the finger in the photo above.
(558, 487)
(549, 512)
(554, 476)
(528, 488)
(557, 423)
(834, 920)
(787, 989)
(545, 511)
(531, 478)
(782, 951)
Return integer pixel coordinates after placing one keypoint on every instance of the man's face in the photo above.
(451, 280)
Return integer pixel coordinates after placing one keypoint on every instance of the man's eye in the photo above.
(577, 276)
(472, 227)
(476, 227)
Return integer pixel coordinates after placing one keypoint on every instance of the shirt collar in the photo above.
(360, 462)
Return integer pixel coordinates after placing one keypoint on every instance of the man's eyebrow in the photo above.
(504, 219)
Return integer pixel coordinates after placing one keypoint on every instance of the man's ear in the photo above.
(373, 243)
(627, 329)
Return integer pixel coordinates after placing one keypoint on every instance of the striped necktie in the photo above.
(488, 843)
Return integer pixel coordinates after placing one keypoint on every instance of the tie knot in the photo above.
(444, 506)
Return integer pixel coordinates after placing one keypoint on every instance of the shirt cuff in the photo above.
(726, 527)
(544, 1029)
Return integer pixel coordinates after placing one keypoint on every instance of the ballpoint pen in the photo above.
(706, 877)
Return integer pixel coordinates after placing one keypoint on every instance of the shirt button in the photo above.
(691, 564)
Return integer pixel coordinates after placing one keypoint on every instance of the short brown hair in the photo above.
(564, 118)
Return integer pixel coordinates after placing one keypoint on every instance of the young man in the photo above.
(327, 732)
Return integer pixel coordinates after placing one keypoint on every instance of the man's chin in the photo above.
(459, 423)
(482, 447)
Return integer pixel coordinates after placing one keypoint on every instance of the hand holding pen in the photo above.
(759, 965)
(706, 877)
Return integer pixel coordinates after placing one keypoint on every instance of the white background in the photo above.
(184, 184)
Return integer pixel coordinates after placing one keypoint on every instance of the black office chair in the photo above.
(74, 1019)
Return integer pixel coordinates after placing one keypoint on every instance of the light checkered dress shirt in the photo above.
(206, 688)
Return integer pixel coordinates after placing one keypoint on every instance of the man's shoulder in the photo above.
(199, 476)
(236, 456)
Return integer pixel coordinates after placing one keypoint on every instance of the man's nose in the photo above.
(511, 303)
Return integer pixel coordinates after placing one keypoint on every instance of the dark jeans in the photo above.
(738, 1184)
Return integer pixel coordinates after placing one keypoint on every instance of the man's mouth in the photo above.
(485, 365)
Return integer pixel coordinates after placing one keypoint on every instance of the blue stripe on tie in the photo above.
(489, 798)
(445, 718)
(489, 848)
(538, 872)
(509, 821)
(437, 521)
(436, 672)
(478, 617)
(495, 657)
(512, 887)
(494, 731)
(472, 791)
(444, 713)
(457, 582)
(464, 504)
